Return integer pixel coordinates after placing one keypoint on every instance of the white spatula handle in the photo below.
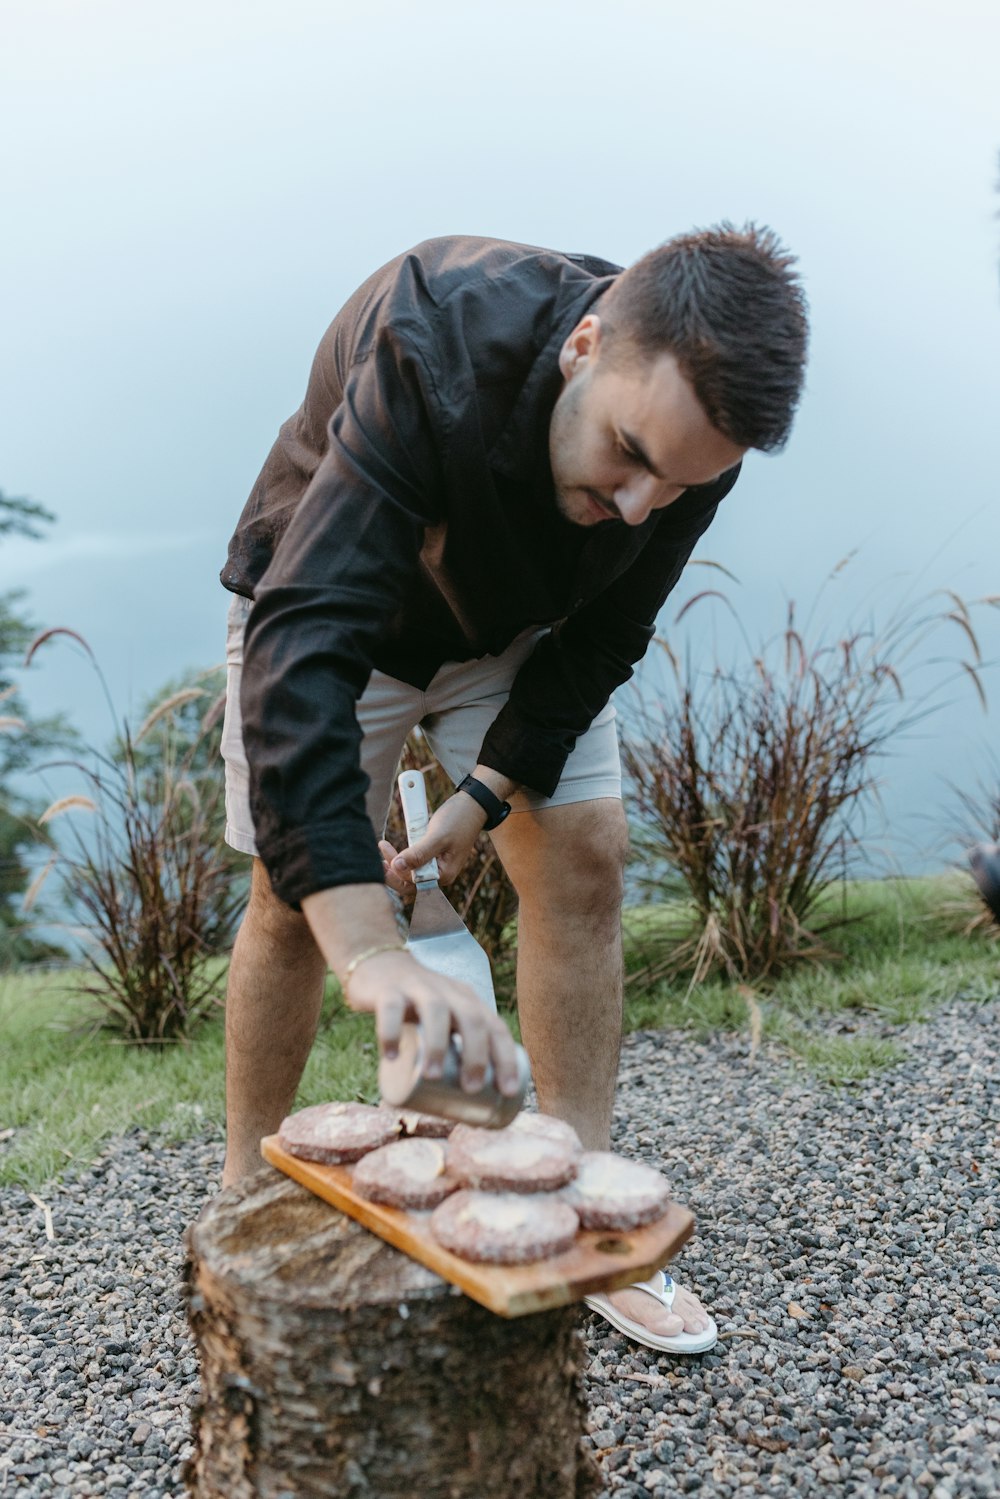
(413, 795)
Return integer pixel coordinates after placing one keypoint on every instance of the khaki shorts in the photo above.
(454, 712)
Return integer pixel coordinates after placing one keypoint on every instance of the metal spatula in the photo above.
(438, 937)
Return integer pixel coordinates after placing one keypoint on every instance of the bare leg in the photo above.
(569, 959)
(567, 864)
(273, 1003)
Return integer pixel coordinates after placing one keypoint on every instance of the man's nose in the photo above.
(641, 495)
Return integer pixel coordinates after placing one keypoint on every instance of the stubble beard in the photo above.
(569, 499)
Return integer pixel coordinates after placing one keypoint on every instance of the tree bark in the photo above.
(334, 1365)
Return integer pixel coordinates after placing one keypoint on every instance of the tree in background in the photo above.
(23, 741)
(22, 517)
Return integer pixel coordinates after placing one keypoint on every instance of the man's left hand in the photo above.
(450, 837)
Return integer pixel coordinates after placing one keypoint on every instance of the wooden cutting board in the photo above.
(596, 1262)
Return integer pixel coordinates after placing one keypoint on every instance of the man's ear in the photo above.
(580, 348)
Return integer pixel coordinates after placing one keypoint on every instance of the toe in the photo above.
(648, 1313)
(688, 1307)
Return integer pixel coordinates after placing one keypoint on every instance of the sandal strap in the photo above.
(660, 1286)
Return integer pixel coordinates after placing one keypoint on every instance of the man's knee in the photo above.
(583, 876)
(598, 852)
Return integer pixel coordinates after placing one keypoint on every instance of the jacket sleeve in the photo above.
(573, 670)
(336, 576)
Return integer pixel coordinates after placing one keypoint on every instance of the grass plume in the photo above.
(752, 785)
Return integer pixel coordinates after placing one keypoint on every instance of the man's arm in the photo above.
(338, 573)
(573, 671)
(562, 687)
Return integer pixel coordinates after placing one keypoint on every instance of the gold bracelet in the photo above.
(369, 952)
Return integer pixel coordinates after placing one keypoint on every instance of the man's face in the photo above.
(627, 440)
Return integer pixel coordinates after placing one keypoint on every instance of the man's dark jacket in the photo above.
(406, 517)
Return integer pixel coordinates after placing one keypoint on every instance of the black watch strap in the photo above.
(495, 809)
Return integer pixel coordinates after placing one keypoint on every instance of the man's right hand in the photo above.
(395, 988)
(347, 920)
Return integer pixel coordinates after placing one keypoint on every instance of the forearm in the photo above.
(348, 920)
(501, 785)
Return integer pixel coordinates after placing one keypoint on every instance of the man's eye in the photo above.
(626, 452)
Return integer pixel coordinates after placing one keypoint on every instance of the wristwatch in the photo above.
(495, 809)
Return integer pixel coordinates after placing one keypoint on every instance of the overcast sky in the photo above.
(191, 191)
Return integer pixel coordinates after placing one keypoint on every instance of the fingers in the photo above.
(398, 880)
(441, 1007)
(449, 861)
(449, 838)
(471, 1024)
(435, 1024)
(389, 1015)
(415, 857)
(503, 1050)
(486, 1041)
(397, 989)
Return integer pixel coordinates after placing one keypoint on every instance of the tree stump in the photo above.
(334, 1365)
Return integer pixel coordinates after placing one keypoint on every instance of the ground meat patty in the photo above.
(406, 1174)
(504, 1228)
(547, 1127)
(425, 1126)
(524, 1157)
(336, 1133)
(610, 1192)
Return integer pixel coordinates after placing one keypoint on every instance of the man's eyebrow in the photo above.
(640, 453)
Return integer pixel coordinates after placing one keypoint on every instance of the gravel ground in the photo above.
(847, 1244)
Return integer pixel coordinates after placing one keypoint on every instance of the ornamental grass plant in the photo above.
(750, 787)
(152, 889)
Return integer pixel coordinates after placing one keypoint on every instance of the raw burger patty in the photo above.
(335, 1133)
(504, 1228)
(405, 1174)
(547, 1127)
(425, 1126)
(611, 1192)
(534, 1154)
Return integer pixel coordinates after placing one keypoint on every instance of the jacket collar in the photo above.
(521, 452)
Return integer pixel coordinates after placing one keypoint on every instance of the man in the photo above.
(503, 461)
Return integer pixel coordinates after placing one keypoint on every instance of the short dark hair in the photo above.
(729, 306)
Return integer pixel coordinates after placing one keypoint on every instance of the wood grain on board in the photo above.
(596, 1262)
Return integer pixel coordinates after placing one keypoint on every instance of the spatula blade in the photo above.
(438, 937)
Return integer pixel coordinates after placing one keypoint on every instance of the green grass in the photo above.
(900, 954)
(65, 1088)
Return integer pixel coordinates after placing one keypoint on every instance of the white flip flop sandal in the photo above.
(662, 1288)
